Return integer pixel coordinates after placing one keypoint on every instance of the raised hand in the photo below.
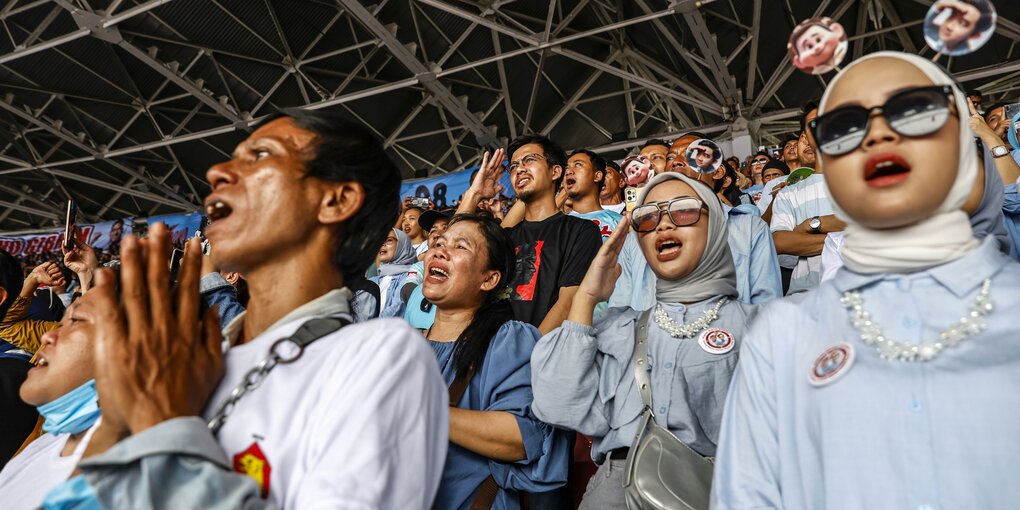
(486, 183)
(82, 258)
(599, 281)
(156, 359)
(47, 274)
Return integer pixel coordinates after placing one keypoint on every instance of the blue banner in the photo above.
(446, 190)
(181, 226)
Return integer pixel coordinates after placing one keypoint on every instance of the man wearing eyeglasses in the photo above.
(553, 250)
(802, 215)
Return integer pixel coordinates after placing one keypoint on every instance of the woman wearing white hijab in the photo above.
(582, 374)
(893, 385)
(394, 258)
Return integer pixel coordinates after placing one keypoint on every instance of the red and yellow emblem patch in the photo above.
(253, 462)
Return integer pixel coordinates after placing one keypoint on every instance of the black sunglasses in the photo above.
(682, 211)
(913, 112)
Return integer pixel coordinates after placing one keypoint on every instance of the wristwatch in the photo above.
(1000, 151)
(816, 225)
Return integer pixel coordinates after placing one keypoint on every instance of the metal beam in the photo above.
(425, 76)
(710, 51)
(60, 133)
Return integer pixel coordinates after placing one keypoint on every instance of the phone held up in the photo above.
(69, 223)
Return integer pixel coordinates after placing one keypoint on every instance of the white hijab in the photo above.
(941, 238)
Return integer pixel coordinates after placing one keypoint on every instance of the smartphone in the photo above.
(175, 260)
(69, 222)
(420, 202)
(200, 234)
(630, 195)
(1011, 110)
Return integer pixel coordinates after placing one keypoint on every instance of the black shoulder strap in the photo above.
(315, 329)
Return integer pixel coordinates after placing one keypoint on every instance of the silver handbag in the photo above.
(662, 472)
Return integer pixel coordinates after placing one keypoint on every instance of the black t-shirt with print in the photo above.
(551, 254)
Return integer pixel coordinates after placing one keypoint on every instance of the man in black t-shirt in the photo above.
(553, 250)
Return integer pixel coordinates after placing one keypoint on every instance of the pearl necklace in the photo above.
(687, 330)
(893, 350)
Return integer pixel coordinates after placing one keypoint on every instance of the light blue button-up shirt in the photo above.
(754, 258)
(943, 434)
(583, 380)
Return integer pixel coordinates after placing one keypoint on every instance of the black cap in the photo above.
(775, 163)
(428, 218)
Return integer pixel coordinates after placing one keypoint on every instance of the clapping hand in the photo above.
(156, 357)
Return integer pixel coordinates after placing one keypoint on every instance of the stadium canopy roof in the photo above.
(123, 104)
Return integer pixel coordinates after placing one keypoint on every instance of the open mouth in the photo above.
(39, 361)
(886, 170)
(668, 249)
(570, 182)
(522, 181)
(217, 210)
(437, 274)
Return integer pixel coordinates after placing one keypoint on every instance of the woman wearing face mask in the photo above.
(62, 387)
(893, 384)
(497, 446)
(583, 373)
(394, 258)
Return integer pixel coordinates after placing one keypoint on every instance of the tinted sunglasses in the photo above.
(682, 211)
(913, 112)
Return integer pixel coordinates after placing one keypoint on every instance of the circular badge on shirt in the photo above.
(831, 364)
(716, 341)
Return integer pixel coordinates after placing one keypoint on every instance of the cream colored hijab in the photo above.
(947, 234)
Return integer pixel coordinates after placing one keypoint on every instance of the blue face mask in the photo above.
(73, 412)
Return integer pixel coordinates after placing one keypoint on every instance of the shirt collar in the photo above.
(960, 276)
(334, 302)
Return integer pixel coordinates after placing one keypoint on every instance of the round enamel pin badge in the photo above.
(831, 364)
(716, 341)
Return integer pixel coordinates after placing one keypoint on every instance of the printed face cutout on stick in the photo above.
(959, 27)
(704, 156)
(637, 170)
(817, 45)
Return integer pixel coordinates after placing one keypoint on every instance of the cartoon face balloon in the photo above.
(817, 45)
(704, 156)
(959, 27)
(637, 170)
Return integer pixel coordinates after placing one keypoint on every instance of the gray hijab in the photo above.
(714, 275)
(403, 256)
(987, 220)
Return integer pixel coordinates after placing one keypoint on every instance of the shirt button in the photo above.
(669, 365)
(662, 410)
(916, 406)
(903, 284)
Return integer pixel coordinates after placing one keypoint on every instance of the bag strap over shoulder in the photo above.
(644, 383)
(485, 496)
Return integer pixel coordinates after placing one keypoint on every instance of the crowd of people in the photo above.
(823, 326)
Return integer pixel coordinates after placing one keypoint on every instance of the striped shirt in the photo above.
(794, 205)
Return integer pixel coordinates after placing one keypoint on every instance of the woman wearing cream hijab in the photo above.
(893, 385)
